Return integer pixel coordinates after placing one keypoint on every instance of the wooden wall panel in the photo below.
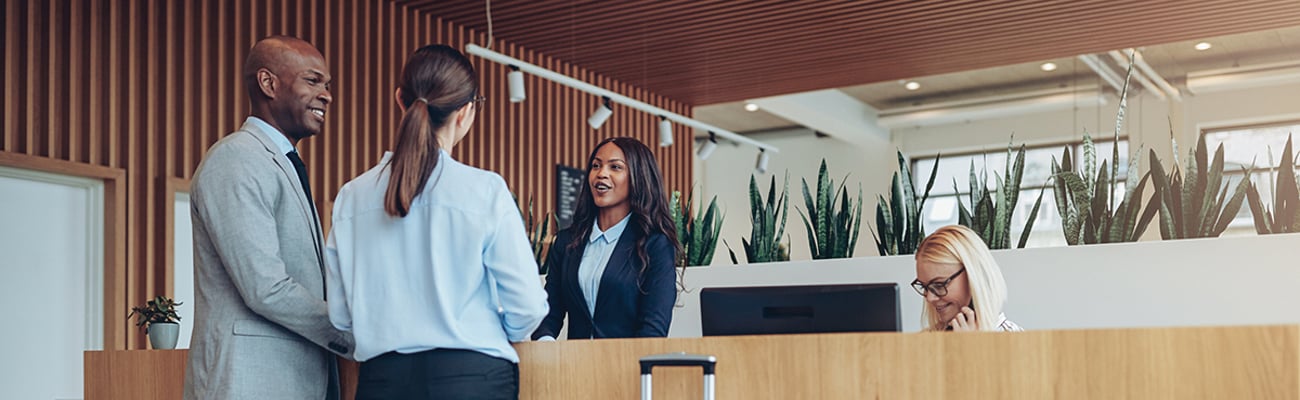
(146, 86)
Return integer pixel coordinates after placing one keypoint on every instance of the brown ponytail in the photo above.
(436, 82)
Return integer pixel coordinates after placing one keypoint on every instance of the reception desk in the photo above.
(1251, 362)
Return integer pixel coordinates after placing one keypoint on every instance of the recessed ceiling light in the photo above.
(1048, 66)
(912, 85)
(751, 107)
(1203, 46)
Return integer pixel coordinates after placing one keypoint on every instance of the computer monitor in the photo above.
(800, 309)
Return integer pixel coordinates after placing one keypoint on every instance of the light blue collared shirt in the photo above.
(600, 246)
(277, 137)
(426, 281)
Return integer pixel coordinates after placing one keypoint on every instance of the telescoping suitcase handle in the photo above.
(682, 359)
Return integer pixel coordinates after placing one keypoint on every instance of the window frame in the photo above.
(918, 180)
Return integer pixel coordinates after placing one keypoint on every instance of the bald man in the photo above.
(262, 328)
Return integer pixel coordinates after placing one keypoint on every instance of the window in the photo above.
(953, 183)
(1258, 147)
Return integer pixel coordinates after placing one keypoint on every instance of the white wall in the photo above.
(51, 282)
(1199, 282)
(183, 267)
(726, 174)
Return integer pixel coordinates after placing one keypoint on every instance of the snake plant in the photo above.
(1083, 196)
(768, 218)
(832, 233)
(698, 233)
(898, 219)
(1284, 217)
(537, 233)
(989, 214)
(1188, 206)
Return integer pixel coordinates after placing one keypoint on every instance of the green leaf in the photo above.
(1089, 161)
(1099, 199)
(812, 240)
(963, 215)
(856, 227)
(823, 217)
(886, 242)
(1211, 206)
(1193, 193)
(899, 207)
(1029, 223)
(1230, 209)
(1286, 201)
(734, 261)
(1162, 197)
(1147, 214)
(1257, 209)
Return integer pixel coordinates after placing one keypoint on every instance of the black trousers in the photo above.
(438, 374)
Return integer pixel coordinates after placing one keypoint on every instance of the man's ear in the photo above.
(266, 82)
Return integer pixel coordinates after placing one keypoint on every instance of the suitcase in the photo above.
(648, 363)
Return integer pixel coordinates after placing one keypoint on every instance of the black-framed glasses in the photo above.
(939, 288)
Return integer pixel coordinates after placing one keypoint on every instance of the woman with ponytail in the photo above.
(611, 272)
(423, 250)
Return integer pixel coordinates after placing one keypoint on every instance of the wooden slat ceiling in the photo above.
(712, 51)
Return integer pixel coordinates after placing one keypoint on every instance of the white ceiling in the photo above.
(1172, 60)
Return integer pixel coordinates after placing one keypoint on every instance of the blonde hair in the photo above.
(956, 244)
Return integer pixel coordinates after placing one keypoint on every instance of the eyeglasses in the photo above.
(939, 288)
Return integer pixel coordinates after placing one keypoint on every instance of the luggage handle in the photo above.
(680, 359)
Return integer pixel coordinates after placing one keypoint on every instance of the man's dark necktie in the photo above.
(302, 177)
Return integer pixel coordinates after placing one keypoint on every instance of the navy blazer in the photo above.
(623, 309)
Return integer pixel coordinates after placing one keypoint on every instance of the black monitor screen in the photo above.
(800, 309)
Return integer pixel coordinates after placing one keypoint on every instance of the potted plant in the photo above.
(160, 321)
(1084, 200)
(898, 218)
(699, 232)
(832, 232)
(1188, 205)
(989, 214)
(1284, 216)
(768, 219)
(537, 231)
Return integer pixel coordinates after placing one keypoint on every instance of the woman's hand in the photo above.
(965, 321)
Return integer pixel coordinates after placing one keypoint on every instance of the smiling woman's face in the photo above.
(607, 177)
(947, 306)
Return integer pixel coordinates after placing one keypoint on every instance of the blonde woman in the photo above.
(962, 285)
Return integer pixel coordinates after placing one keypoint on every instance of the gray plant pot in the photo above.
(162, 335)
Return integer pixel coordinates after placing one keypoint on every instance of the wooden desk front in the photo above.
(1258, 362)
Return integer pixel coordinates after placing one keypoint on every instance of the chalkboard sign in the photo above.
(568, 184)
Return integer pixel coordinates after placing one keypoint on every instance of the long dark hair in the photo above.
(648, 200)
(442, 80)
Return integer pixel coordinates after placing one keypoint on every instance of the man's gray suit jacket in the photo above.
(261, 326)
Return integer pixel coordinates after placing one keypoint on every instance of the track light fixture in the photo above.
(707, 148)
(516, 83)
(601, 114)
(665, 132)
(761, 165)
(609, 97)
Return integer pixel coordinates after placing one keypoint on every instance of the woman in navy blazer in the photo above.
(612, 271)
